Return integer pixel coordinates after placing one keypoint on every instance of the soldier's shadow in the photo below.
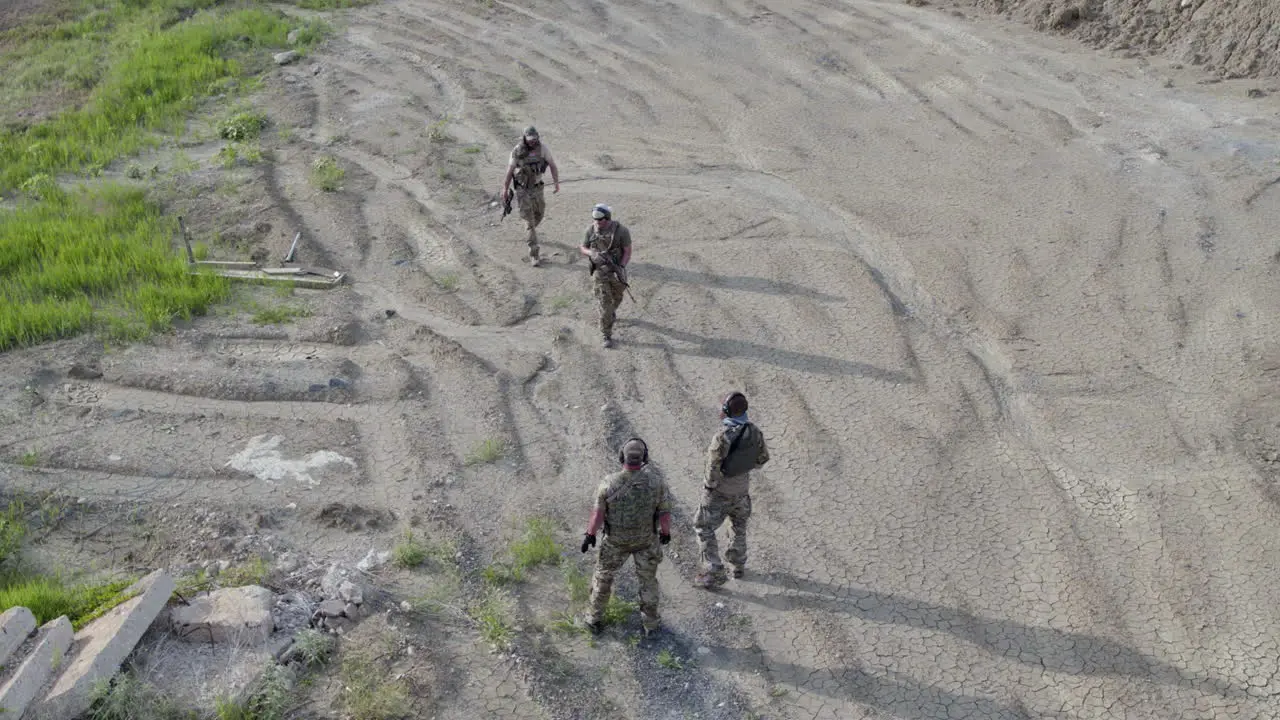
(1042, 647)
(890, 693)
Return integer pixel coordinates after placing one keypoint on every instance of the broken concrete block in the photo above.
(16, 625)
(239, 615)
(350, 592)
(330, 608)
(46, 660)
(102, 646)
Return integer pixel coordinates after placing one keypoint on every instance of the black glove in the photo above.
(664, 538)
(588, 541)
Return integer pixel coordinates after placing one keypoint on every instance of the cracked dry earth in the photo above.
(1005, 309)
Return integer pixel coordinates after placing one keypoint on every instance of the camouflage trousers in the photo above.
(611, 558)
(609, 293)
(532, 207)
(711, 515)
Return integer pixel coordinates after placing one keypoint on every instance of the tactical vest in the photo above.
(530, 165)
(630, 507)
(604, 242)
(744, 448)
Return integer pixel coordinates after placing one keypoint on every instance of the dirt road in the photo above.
(1006, 310)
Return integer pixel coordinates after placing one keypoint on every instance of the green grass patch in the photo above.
(368, 692)
(492, 615)
(250, 572)
(278, 314)
(50, 597)
(449, 282)
(617, 611)
(668, 660)
(146, 70)
(94, 258)
(409, 552)
(535, 546)
(489, 450)
(578, 582)
(242, 126)
(326, 174)
(331, 4)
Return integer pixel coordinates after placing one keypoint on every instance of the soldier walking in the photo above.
(529, 160)
(634, 508)
(737, 448)
(608, 245)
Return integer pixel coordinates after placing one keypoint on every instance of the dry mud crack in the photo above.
(1006, 310)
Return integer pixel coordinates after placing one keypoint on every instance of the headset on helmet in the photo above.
(602, 212)
(622, 451)
(724, 406)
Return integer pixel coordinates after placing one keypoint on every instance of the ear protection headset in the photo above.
(724, 406)
(622, 451)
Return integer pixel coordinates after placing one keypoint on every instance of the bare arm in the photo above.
(555, 171)
(506, 180)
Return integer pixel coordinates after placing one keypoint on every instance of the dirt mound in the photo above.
(1234, 38)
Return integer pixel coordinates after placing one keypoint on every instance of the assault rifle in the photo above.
(506, 204)
(617, 270)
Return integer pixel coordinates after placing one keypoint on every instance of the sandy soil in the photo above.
(1006, 310)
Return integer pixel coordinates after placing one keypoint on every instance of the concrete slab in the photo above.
(16, 625)
(101, 646)
(46, 660)
(239, 615)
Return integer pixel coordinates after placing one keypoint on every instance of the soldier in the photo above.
(529, 160)
(608, 244)
(737, 448)
(634, 508)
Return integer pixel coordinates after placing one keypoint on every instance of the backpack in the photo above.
(742, 456)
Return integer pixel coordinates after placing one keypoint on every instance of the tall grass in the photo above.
(102, 257)
(153, 76)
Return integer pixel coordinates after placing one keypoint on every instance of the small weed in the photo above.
(778, 691)
(473, 149)
(565, 623)
(537, 545)
(449, 282)
(367, 691)
(578, 583)
(242, 126)
(129, 698)
(228, 156)
(441, 598)
(200, 251)
(314, 647)
(30, 459)
(512, 93)
(493, 616)
(270, 701)
(134, 171)
(183, 164)
(330, 4)
(326, 174)
(617, 611)
(560, 302)
(251, 572)
(489, 450)
(278, 315)
(633, 640)
(286, 134)
(189, 585)
(409, 553)
(669, 661)
(438, 131)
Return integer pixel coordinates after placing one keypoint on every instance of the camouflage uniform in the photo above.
(608, 289)
(630, 502)
(727, 497)
(530, 164)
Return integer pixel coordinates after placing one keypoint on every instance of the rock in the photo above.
(390, 313)
(284, 58)
(331, 580)
(240, 615)
(331, 608)
(84, 371)
(351, 611)
(1255, 93)
(292, 37)
(350, 592)
(373, 560)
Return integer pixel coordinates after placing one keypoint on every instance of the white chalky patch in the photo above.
(263, 460)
